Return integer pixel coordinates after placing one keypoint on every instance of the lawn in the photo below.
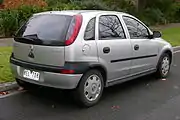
(172, 35)
(5, 73)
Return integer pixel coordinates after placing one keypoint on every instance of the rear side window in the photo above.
(45, 29)
(110, 28)
(90, 30)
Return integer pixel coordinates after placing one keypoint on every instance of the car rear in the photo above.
(39, 50)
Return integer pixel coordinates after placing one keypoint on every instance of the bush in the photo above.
(155, 11)
(1, 1)
(8, 22)
(92, 5)
(25, 12)
(55, 2)
(152, 16)
(122, 5)
(173, 15)
(11, 20)
(63, 6)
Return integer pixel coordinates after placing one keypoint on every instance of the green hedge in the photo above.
(1, 1)
(11, 20)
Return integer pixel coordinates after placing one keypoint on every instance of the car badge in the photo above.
(31, 54)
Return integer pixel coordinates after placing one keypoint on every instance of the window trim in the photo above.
(125, 37)
(94, 29)
(138, 22)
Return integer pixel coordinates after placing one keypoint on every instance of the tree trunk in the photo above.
(140, 4)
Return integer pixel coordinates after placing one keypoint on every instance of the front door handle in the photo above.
(136, 47)
(106, 50)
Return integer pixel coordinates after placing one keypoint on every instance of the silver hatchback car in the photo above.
(87, 51)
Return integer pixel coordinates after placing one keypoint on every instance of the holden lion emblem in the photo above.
(31, 54)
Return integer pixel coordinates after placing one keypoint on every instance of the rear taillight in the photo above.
(64, 71)
(73, 29)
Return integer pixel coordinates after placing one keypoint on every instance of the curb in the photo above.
(8, 86)
(1, 37)
(176, 48)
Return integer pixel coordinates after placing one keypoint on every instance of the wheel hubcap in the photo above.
(165, 65)
(92, 87)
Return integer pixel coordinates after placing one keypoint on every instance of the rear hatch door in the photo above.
(42, 39)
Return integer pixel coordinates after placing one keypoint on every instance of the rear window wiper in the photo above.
(31, 39)
(24, 40)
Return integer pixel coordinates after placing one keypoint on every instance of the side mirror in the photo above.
(156, 34)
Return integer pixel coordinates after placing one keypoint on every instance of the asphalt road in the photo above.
(145, 98)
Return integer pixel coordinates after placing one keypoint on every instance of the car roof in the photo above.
(74, 12)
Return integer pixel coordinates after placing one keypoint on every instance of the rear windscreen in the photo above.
(45, 30)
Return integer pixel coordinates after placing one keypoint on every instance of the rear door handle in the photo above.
(106, 50)
(136, 47)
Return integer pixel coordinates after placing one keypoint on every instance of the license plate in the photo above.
(31, 74)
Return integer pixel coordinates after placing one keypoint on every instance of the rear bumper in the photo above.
(47, 78)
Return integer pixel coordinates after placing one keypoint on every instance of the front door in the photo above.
(113, 47)
(145, 50)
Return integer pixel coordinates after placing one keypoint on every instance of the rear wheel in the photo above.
(163, 66)
(90, 88)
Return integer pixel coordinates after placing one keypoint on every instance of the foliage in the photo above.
(122, 5)
(25, 12)
(174, 13)
(152, 12)
(14, 4)
(11, 20)
(160, 12)
(152, 16)
(92, 5)
(63, 6)
(8, 22)
(55, 2)
(1, 1)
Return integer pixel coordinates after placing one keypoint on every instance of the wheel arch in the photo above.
(169, 52)
(166, 51)
(101, 69)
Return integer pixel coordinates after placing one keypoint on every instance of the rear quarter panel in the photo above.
(81, 50)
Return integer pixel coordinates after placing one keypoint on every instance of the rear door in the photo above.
(113, 47)
(145, 50)
(42, 39)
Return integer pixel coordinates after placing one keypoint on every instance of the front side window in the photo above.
(136, 29)
(90, 30)
(110, 28)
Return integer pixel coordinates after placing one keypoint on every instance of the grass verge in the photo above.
(172, 35)
(5, 72)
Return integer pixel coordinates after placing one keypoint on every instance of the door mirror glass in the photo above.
(156, 34)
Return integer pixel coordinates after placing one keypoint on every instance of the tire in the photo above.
(90, 89)
(163, 72)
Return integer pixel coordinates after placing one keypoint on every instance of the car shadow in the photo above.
(64, 98)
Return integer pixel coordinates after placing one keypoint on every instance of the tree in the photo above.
(141, 4)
